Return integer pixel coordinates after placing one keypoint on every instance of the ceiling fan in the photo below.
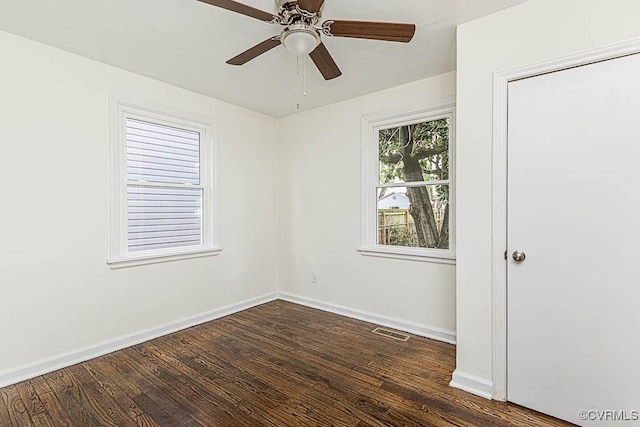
(301, 33)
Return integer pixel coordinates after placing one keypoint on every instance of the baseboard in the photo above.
(50, 364)
(64, 360)
(472, 384)
(401, 325)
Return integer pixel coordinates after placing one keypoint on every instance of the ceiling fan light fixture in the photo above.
(300, 39)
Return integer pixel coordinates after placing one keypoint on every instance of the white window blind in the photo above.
(164, 193)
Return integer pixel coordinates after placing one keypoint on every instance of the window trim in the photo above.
(120, 110)
(370, 177)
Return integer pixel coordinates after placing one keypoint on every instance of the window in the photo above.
(407, 201)
(162, 186)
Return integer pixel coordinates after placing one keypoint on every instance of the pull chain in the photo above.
(304, 76)
(298, 82)
(302, 79)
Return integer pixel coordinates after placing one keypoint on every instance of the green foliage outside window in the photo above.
(417, 153)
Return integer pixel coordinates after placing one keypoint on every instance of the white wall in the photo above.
(534, 31)
(57, 293)
(320, 179)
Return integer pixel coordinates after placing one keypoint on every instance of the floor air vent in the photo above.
(391, 334)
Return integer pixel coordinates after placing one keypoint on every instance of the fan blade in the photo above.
(312, 6)
(389, 31)
(325, 63)
(254, 52)
(242, 9)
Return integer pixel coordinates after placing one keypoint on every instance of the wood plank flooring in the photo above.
(278, 364)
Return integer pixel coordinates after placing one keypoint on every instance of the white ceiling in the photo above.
(186, 43)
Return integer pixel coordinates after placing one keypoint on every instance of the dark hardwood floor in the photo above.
(278, 364)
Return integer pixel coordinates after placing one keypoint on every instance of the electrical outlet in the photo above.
(314, 277)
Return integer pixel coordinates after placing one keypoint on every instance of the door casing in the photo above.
(499, 192)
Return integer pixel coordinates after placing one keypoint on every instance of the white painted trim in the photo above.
(390, 322)
(409, 115)
(63, 360)
(132, 261)
(499, 196)
(408, 254)
(471, 384)
(499, 240)
(369, 181)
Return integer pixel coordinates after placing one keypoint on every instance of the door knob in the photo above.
(518, 256)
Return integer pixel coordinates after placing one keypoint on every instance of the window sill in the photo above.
(409, 254)
(132, 261)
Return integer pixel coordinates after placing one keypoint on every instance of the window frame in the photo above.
(370, 181)
(121, 110)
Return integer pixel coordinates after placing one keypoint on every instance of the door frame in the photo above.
(499, 188)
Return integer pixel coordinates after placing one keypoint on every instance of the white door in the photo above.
(574, 211)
